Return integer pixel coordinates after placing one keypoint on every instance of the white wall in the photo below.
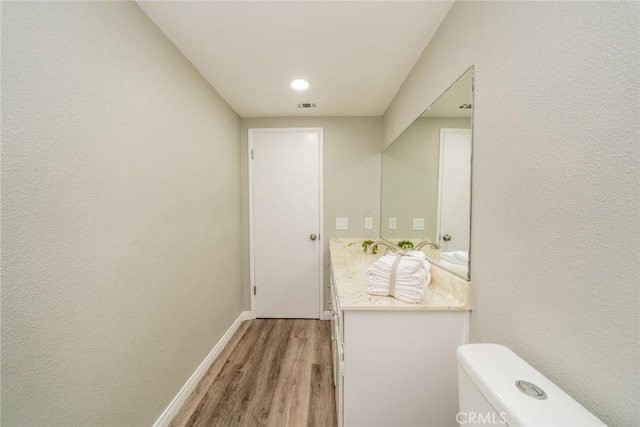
(351, 156)
(555, 233)
(121, 257)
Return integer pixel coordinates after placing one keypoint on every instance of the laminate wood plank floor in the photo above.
(273, 372)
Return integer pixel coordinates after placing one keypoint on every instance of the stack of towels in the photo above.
(455, 261)
(404, 276)
(456, 257)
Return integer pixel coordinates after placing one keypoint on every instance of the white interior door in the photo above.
(454, 192)
(286, 201)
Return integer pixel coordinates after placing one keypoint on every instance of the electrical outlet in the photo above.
(418, 223)
(342, 223)
(368, 222)
(393, 223)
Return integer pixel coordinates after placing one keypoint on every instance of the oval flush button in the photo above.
(531, 390)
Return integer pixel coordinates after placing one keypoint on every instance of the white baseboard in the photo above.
(191, 383)
(326, 315)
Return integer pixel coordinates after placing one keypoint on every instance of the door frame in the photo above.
(252, 277)
(444, 131)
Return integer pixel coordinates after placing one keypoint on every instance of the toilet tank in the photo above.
(496, 387)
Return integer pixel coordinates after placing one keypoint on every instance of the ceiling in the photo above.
(355, 54)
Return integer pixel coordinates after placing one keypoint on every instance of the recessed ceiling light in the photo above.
(300, 84)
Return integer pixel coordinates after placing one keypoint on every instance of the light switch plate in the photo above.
(368, 222)
(393, 223)
(342, 223)
(418, 223)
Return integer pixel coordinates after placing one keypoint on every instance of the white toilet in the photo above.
(496, 387)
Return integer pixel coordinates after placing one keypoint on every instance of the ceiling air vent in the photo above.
(307, 105)
(465, 107)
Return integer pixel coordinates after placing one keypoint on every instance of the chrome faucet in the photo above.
(389, 245)
(425, 243)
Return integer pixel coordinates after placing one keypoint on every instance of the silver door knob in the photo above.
(313, 237)
(446, 237)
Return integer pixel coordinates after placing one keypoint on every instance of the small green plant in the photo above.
(368, 244)
(405, 244)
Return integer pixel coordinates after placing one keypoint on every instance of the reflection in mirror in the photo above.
(426, 180)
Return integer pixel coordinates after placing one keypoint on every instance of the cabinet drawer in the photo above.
(338, 375)
(336, 313)
(334, 353)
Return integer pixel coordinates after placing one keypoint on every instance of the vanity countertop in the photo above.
(349, 264)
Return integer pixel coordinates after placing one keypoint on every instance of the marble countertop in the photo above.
(349, 264)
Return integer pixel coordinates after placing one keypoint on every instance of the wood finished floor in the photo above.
(273, 372)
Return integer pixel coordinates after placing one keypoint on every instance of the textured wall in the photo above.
(351, 172)
(121, 216)
(555, 233)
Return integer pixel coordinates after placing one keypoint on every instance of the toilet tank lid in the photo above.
(495, 369)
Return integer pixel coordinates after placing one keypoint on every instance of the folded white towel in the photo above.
(385, 273)
(411, 276)
(456, 257)
(461, 255)
(408, 264)
(417, 254)
(411, 294)
(414, 279)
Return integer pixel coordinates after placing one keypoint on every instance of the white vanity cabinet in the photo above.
(394, 363)
(337, 348)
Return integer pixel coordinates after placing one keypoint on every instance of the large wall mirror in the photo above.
(426, 180)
